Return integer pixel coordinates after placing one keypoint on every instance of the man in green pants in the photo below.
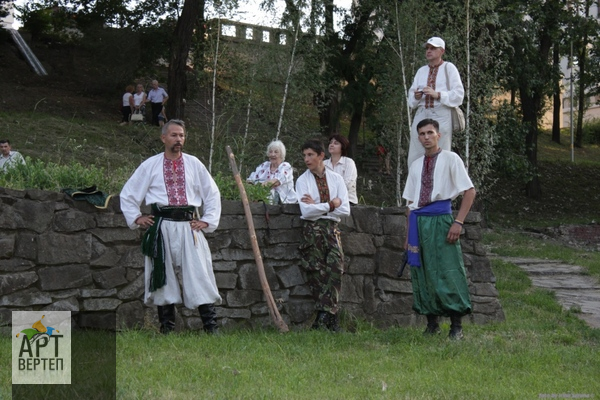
(437, 271)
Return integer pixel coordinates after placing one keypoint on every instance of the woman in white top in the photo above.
(338, 148)
(139, 99)
(277, 174)
(127, 104)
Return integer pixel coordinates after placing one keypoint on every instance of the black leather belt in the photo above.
(185, 213)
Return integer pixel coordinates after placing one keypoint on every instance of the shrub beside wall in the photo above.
(61, 254)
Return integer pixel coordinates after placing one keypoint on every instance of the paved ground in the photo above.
(573, 288)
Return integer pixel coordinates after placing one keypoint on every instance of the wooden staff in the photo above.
(273, 311)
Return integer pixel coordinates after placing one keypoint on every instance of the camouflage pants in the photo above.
(323, 260)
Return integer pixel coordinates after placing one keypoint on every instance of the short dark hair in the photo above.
(178, 122)
(2, 141)
(314, 144)
(342, 140)
(429, 121)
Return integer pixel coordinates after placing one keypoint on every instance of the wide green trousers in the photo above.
(440, 285)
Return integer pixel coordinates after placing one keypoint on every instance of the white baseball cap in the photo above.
(436, 42)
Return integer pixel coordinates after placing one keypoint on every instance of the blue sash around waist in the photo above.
(441, 207)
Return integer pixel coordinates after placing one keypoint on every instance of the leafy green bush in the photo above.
(591, 131)
(37, 174)
(511, 161)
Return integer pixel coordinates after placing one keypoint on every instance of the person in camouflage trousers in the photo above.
(323, 201)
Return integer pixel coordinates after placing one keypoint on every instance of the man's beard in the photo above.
(176, 148)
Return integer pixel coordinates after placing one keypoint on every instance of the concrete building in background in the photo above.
(9, 20)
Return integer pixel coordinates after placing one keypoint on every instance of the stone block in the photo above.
(352, 288)
(230, 222)
(360, 265)
(87, 293)
(32, 215)
(249, 279)
(26, 246)
(104, 256)
(27, 297)
(69, 304)
(110, 278)
(64, 277)
(236, 254)
(388, 262)
(226, 280)
(282, 252)
(299, 311)
(132, 258)
(7, 245)
(358, 244)
(65, 294)
(56, 248)
(135, 290)
(394, 225)
(116, 235)
(394, 242)
(16, 281)
(71, 220)
(100, 304)
(110, 220)
(300, 291)
(224, 266)
(283, 236)
(394, 285)
(473, 232)
(233, 313)
(243, 298)
(367, 219)
(43, 195)
(290, 276)
(483, 289)
(97, 320)
(130, 315)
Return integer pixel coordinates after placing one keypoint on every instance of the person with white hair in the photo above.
(277, 174)
(436, 89)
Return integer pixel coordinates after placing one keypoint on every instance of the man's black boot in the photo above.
(209, 318)
(166, 317)
(321, 320)
(456, 332)
(433, 326)
(333, 323)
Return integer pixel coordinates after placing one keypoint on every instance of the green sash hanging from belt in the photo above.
(152, 241)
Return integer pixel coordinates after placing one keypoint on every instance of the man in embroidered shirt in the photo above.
(436, 89)
(437, 271)
(175, 184)
(157, 97)
(8, 157)
(323, 201)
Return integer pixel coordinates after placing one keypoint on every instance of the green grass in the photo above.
(539, 349)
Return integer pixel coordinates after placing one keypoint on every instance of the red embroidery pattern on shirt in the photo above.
(174, 173)
(323, 188)
(427, 179)
(433, 71)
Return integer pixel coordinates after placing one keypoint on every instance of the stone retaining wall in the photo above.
(61, 254)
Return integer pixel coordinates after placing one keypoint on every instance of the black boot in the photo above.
(333, 323)
(456, 332)
(433, 327)
(166, 317)
(321, 320)
(209, 318)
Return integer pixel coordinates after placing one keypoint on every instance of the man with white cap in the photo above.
(436, 89)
